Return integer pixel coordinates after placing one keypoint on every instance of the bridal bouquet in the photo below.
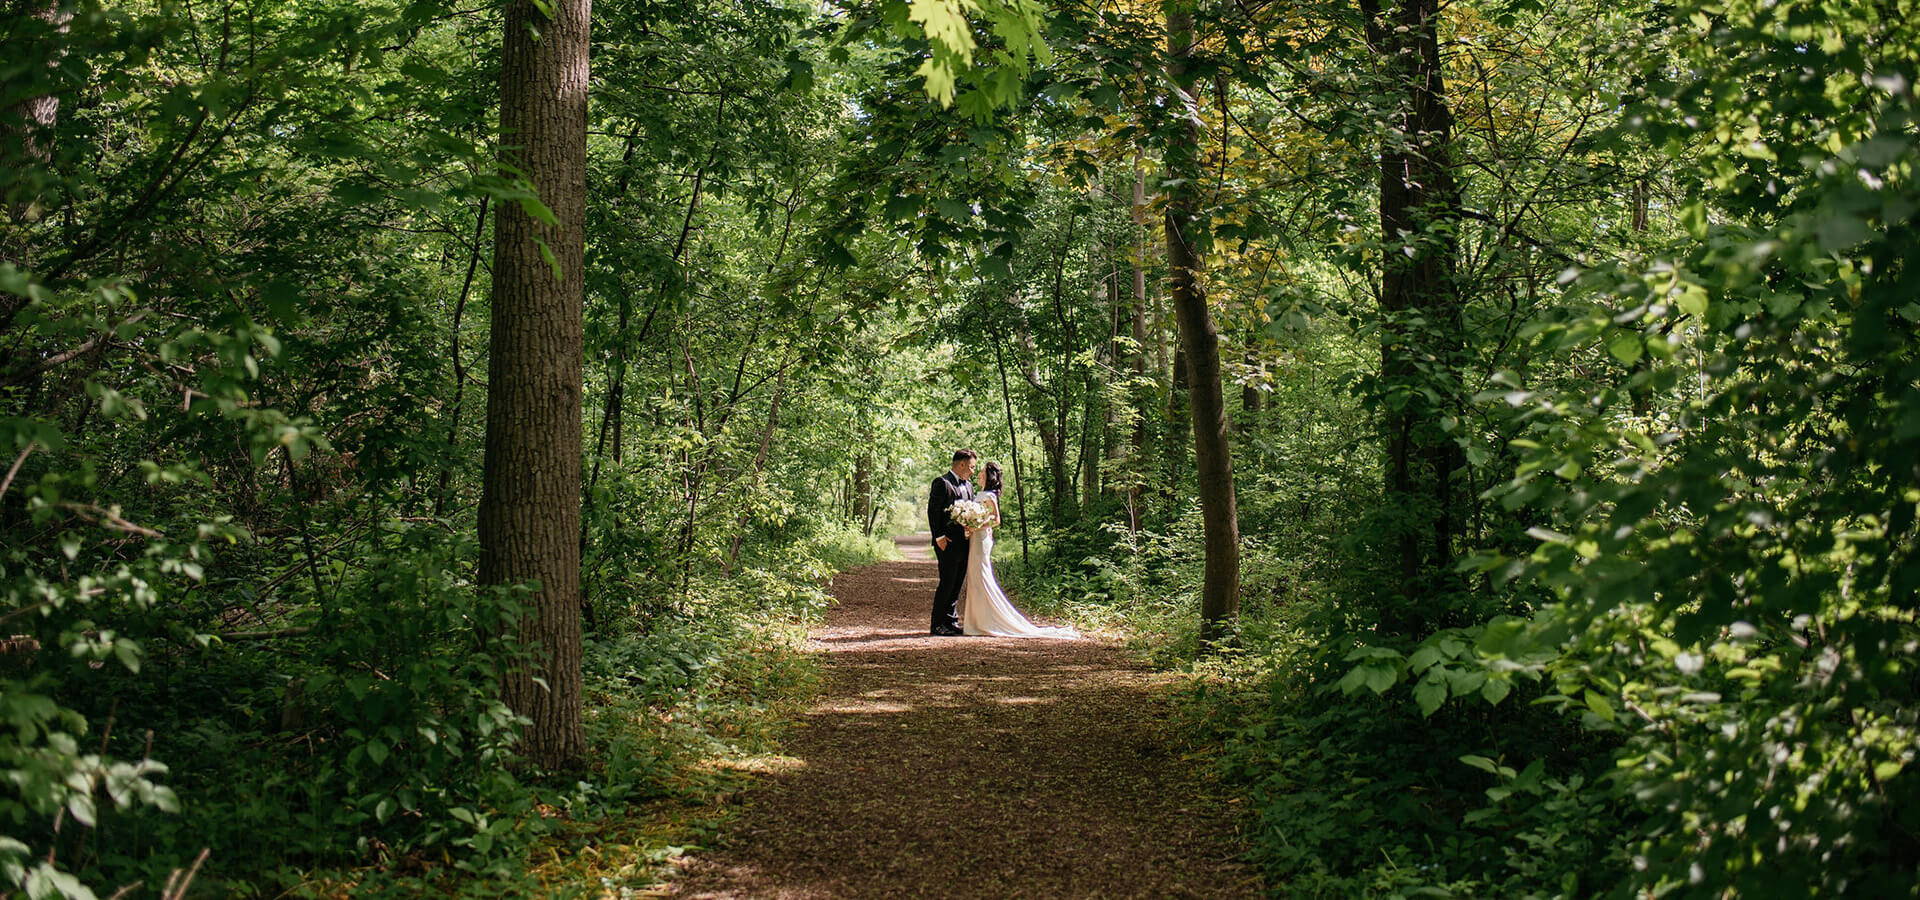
(971, 514)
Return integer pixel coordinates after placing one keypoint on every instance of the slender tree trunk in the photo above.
(863, 485)
(1251, 398)
(1054, 439)
(443, 490)
(1044, 408)
(1187, 239)
(1420, 199)
(1179, 416)
(1112, 450)
(530, 491)
(1640, 196)
(759, 464)
(1092, 440)
(1013, 445)
(1095, 414)
(1639, 395)
(1138, 449)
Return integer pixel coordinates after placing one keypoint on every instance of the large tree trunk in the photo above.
(1419, 199)
(530, 494)
(1186, 246)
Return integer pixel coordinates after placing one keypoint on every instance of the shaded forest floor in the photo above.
(972, 767)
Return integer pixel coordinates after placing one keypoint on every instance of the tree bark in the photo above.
(1251, 397)
(1179, 416)
(863, 484)
(1046, 409)
(1419, 211)
(1013, 443)
(1186, 231)
(443, 491)
(36, 115)
(530, 492)
(1138, 449)
(1092, 441)
(1054, 438)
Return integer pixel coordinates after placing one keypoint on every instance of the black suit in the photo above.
(953, 560)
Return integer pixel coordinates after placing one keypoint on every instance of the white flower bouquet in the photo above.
(972, 514)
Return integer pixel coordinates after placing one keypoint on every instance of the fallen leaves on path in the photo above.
(972, 767)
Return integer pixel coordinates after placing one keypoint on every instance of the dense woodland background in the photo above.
(1507, 413)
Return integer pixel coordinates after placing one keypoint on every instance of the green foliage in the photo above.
(243, 300)
(1674, 407)
(1731, 570)
(1677, 661)
(946, 30)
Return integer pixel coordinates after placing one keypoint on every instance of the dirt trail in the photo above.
(972, 767)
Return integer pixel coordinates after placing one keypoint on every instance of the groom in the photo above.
(949, 540)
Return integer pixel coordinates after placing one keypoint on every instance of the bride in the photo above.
(986, 609)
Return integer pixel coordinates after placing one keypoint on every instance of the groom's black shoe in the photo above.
(947, 631)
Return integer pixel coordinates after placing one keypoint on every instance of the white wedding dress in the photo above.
(985, 610)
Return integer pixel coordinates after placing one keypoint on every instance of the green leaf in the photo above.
(1496, 689)
(47, 881)
(1430, 692)
(1379, 677)
(1693, 218)
(1841, 231)
(1423, 658)
(1600, 705)
(1353, 681)
(1481, 762)
(1626, 347)
(80, 805)
(901, 207)
(1692, 300)
(531, 205)
(837, 255)
(128, 653)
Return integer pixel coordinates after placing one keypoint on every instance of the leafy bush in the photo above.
(1731, 577)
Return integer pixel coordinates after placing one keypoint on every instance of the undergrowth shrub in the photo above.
(370, 732)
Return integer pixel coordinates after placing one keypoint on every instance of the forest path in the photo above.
(972, 767)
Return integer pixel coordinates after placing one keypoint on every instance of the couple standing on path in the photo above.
(969, 599)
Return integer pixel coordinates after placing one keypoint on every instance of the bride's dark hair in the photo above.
(991, 480)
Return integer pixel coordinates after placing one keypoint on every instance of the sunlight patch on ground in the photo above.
(767, 764)
(876, 706)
